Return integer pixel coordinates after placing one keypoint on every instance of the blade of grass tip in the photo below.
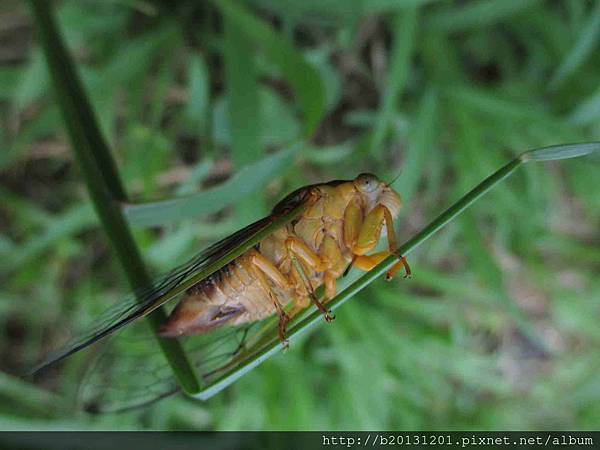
(562, 151)
(100, 174)
(404, 28)
(302, 77)
(586, 42)
(296, 329)
(243, 110)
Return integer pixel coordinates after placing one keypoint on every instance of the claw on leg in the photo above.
(402, 262)
(309, 289)
(283, 321)
(321, 307)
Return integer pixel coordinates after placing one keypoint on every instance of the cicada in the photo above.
(270, 269)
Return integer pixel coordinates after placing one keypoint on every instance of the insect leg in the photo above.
(304, 253)
(270, 270)
(391, 238)
(261, 267)
(298, 249)
(353, 220)
(369, 236)
(330, 251)
(330, 281)
(367, 262)
(311, 293)
(370, 231)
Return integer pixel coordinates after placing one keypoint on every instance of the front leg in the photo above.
(364, 237)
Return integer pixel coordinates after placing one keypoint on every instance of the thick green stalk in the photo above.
(101, 176)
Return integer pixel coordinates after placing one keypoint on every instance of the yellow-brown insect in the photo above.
(311, 238)
(342, 222)
(272, 266)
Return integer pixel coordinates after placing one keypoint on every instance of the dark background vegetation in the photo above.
(498, 328)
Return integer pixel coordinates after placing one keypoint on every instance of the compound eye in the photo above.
(367, 182)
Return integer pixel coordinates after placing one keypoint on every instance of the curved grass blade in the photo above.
(169, 286)
(247, 181)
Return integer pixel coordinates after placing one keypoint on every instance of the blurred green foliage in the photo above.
(498, 326)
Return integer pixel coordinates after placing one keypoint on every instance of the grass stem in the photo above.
(100, 174)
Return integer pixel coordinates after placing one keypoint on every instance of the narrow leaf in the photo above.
(563, 151)
(243, 109)
(198, 92)
(404, 37)
(245, 182)
(588, 111)
(586, 42)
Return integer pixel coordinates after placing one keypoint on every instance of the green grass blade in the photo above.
(100, 174)
(562, 151)
(196, 111)
(273, 346)
(245, 182)
(588, 111)
(69, 223)
(243, 109)
(302, 77)
(243, 102)
(476, 14)
(404, 25)
(20, 397)
(392, 6)
(587, 41)
(421, 141)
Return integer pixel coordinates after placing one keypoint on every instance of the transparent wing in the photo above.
(172, 284)
(131, 372)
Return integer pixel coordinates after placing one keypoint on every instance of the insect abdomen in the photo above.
(231, 295)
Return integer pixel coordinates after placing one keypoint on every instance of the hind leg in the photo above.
(263, 269)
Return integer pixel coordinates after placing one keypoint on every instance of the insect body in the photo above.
(342, 222)
(271, 267)
(310, 239)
